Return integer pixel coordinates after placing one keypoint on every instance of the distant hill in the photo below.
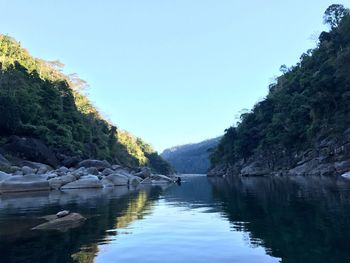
(190, 158)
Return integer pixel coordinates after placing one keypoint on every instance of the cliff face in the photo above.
(328, 157)
(45, 116)
(191, 158)
(302, 126)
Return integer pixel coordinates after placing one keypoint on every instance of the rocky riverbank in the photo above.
(329, 156)
(34, 176)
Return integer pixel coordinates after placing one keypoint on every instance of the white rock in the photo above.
(88, 181)
(118, 179)
(346, 175)
(62, 213)
(24, 183)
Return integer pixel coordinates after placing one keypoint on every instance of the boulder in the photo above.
(27, 170)
(18, 172)
(107, 171)
(79, 172)
(43, 170)
(24, 184)
(255, 169)
(92, 170)
(162, 177)
(35, 165)
(116, 167)
(64, 223)
(31, 149)
(57, 182)
(98, 164)
(144, 173)
(4, 176)
(118, 179)
(134, 180)
(50, 175)
(106, 183)
(69, 161)
(4, 161)
(62, 213)
(148, 180)
(88, 181)
(62, 170)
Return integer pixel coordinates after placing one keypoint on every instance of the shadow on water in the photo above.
(297, 219)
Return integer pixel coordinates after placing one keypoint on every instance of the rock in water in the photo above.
(65, 223)
(62, 213)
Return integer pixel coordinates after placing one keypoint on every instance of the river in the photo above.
(279, 219)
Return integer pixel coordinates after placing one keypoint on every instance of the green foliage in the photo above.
(9, 115)
(38, 100)
(334, 14)
(308, 101)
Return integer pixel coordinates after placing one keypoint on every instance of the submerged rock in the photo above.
(64, 223)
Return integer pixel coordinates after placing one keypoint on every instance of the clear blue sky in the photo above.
(169, 71)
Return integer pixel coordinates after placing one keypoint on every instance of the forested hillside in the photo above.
(38, 101)
(191, 158)
(303, 120)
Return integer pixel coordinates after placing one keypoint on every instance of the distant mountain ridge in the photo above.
(190, 158)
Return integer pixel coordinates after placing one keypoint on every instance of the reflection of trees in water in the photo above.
(104, 210)
(136, 208)
(298, 219)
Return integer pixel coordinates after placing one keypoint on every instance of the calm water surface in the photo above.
(244, 220)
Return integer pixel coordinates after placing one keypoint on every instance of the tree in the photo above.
(334, 14)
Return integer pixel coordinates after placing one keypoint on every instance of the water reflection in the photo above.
(298, 219)
(250, 220)
(105, 209)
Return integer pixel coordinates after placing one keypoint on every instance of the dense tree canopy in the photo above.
(309, 101)
(38, 100)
